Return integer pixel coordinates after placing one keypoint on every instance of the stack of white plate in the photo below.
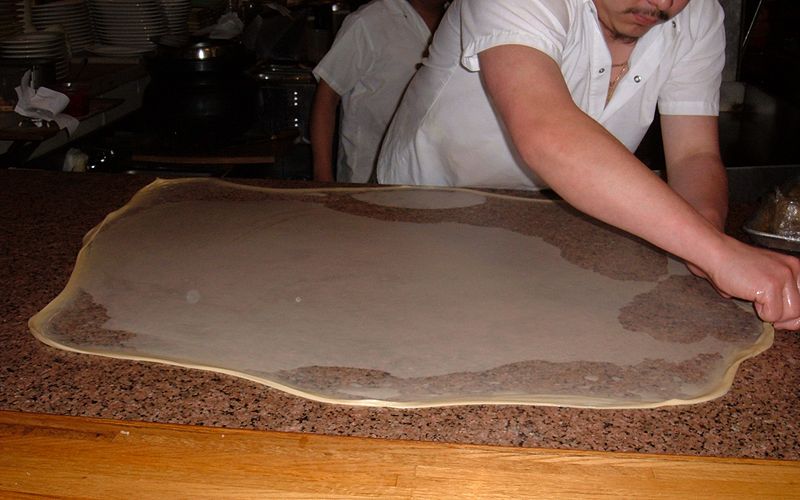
(126, 26)
(41, 45)
(71, 15)
(205, 13)
(12, 23)
(176, 13)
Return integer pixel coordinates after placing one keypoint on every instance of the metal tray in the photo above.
(759, 227)
(774, 241)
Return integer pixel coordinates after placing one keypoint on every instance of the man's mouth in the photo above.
(648, 18)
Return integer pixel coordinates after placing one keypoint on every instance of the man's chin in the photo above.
(626, 38)
(631, 34)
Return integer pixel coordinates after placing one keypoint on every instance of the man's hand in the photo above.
(768, 279)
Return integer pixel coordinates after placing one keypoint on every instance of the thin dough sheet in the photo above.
(402, 297)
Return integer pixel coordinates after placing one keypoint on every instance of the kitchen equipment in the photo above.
(776, 223)
(180, 56)
(70, 15)
(199, 95)
(286, 94)
(775, 241)
(13, 23)
(133, 24)
(177, 13)
(48, 46)
(43, 73)
(78, 93)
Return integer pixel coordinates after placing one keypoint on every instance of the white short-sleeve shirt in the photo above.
(375, 54)
(446, 133)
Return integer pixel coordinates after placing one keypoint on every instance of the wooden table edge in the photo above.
(67, 456)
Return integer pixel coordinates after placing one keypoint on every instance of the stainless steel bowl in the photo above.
(776, 222)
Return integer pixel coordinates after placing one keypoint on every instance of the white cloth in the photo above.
(375, 54)
(43, 105)
(445, 131)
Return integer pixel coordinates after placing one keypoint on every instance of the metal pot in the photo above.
(181, 56)
(199, 95)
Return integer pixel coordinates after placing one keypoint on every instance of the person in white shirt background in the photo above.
(376, 52)
(529, 94)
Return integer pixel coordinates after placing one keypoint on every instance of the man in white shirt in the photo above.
(375, 54)
(558, 93)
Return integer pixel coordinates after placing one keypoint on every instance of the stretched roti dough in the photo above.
(399, 297)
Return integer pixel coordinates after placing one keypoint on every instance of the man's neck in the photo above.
(613, 37)
(620, 46)
(431, 11)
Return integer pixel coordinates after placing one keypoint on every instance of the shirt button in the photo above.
(637, 78)
(602, 70)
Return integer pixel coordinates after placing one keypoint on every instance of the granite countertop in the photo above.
(44, 216)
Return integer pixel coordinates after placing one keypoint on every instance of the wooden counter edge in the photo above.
(84, 457)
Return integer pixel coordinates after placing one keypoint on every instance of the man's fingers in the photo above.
(768, 308)
(793, 325)
(782, 309)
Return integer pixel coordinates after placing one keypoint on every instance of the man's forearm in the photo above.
(323, 126)
(694, 167)
(701, 180)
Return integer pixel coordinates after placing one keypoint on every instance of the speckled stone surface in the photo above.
(43, 217)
